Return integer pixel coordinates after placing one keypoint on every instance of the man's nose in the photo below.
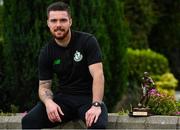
(59, 23)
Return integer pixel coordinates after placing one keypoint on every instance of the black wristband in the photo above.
(96, 104)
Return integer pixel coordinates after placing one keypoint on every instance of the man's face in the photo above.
(59, 24)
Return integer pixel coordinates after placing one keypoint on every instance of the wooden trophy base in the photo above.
(140, 112)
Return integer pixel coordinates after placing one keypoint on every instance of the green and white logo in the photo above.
(57, 62)
(78, 56)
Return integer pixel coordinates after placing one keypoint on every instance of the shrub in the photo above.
(167, 83)
(140, 61)
(162, 104)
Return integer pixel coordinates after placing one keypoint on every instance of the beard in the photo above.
(65, 33)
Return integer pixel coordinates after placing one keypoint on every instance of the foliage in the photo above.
(23, 37)
(14, 109)
(123, 112)
(162, 104)
(140, 61)
(178, 107)
(1, 20)
(167, 83)
(118, 34)
(1, 40)
(141, 16)
(7, 114)
(155, 24)
(165, 35)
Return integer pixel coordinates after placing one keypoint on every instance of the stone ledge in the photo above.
(115, 121)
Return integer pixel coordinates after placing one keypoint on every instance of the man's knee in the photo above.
(27, 122)
(24, 121)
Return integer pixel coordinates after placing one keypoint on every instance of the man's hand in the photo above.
(45, 94)
(92, 115)
(54, 111)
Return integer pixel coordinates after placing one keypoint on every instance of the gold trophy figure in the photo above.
(147, 85)
(142, 109)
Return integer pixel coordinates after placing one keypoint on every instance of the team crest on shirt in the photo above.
(78, 56)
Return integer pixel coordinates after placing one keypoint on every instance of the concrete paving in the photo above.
(115, 121)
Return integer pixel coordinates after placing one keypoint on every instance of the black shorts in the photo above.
(73, 107)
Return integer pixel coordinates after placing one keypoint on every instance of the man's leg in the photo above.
(37, 118)
(102, 120)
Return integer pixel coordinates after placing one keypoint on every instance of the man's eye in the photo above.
(63, 20)
(53, 20)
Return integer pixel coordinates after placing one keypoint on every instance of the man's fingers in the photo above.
(50, 117)
(57, 116)
(86, 116)
(90, 119)
(96, 118)
(92, 116)
(87, 119)
(54, 116)
(60, 111)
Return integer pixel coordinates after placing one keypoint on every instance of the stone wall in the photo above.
(115, 121)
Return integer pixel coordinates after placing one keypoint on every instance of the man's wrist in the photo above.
(46, 101)
(96, 104)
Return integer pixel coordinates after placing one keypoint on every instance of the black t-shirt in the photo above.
(70, 63)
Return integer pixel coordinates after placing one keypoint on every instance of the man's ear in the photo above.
(47, 23)
(70, 21)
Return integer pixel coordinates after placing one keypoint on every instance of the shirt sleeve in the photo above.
(93, 51)
(44, 65)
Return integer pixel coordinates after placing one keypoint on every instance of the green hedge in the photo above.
(166, 83)
(140, 61)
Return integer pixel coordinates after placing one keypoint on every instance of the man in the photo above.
(76, 60)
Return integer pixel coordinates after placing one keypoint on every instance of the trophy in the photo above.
(142, 109)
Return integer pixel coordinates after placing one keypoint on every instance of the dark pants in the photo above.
(73, 107)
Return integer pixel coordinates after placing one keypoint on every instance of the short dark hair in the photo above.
(59, 6)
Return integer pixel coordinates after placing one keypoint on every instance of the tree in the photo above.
(23, 36)
(118, 34)
(165, 35)
(1, 44)
(141, 16)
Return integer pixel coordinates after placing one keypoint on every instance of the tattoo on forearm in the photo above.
(45, 90)
(48, 93)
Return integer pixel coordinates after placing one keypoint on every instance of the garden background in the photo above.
(135, 36)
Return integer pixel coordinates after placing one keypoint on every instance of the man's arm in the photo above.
(45, 92)
(46, 96)
(96, 71)
(93, 113)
